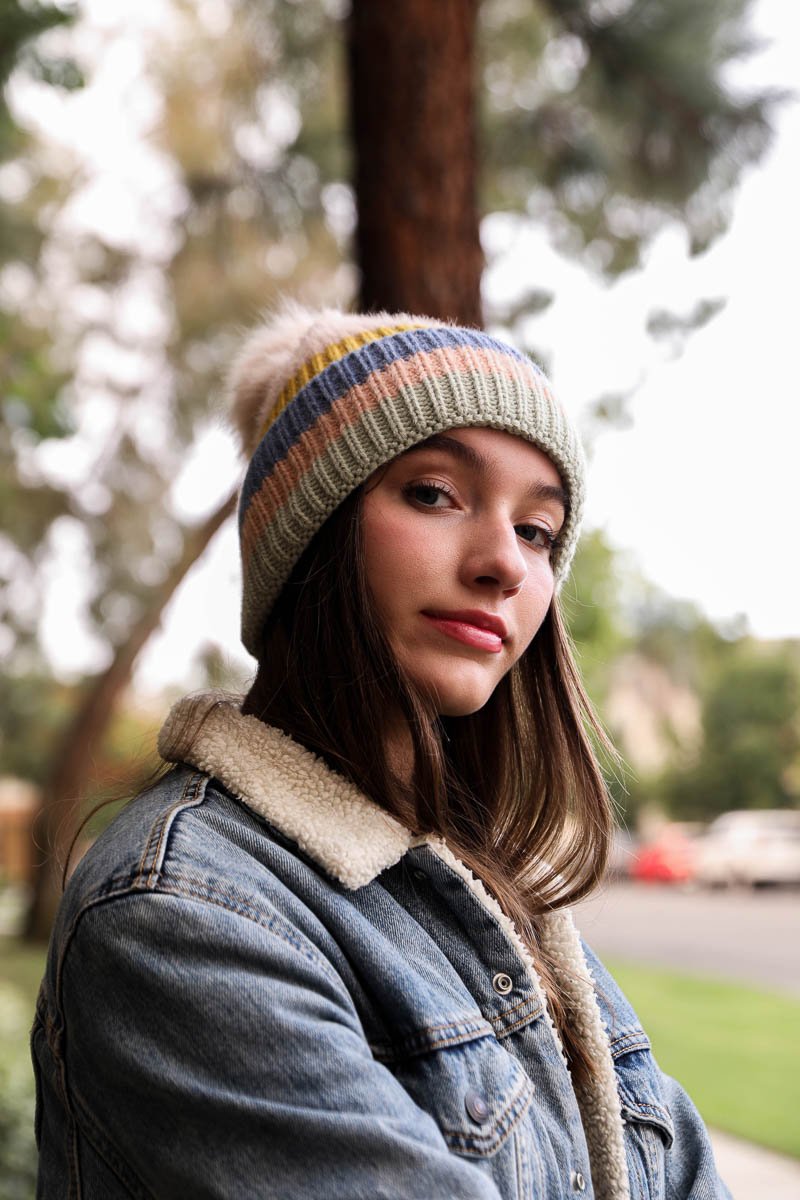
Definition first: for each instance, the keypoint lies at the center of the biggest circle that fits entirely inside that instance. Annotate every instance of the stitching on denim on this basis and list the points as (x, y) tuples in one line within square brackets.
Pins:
[(526, 1019), (519, 1158), (632, 1039), (307, 949), (636, 1158), (90, 1123), (477, 1144), (159, 827), (655, 1112), (652, 1142), (467, 1022), (413, 1045), (190, 792), (506, 1012)]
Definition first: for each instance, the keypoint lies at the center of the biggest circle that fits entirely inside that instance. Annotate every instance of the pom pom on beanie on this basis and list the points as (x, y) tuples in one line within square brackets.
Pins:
[(322, 398)]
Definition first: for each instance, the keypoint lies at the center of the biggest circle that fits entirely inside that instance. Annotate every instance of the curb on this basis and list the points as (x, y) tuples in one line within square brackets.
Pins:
[(753, 1173)]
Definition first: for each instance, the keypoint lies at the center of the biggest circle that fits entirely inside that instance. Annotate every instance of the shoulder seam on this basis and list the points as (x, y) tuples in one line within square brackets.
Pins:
[(195, 785), (275, 924)]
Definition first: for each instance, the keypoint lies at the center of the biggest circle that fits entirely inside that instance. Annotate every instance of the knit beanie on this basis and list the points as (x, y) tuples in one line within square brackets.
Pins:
[(321, 399)]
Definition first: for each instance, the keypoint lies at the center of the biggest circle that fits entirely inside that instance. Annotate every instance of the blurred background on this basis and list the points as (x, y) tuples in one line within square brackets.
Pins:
[(611, 184)]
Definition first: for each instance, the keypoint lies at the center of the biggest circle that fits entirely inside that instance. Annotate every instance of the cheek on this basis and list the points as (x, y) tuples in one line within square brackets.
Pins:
[(398, 549), (387, 551), (536, 606)]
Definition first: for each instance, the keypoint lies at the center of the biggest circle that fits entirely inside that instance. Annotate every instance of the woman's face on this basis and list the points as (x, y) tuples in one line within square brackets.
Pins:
[(458, 533)]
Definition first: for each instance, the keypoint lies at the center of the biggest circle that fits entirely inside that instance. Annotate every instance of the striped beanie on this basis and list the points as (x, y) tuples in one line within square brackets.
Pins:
[(321, 399)]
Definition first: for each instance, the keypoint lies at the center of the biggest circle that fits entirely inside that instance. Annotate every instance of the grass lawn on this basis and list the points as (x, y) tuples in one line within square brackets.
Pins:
[(736, 1050), (21, 968)]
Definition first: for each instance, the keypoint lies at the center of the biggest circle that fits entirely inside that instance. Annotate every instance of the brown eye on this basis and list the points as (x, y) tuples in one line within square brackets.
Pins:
[(424, 493), (428, 495), (536, 535)]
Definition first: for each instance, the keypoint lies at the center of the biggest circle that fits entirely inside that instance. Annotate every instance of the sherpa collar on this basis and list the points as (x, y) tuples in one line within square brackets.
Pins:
[(353, 840), (331, 821)]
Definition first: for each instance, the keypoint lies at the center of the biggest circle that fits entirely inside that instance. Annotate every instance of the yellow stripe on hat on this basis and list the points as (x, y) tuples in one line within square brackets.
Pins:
[(325, 358)]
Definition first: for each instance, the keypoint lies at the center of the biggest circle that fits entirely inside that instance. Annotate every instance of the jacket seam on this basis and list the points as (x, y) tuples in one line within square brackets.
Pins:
[(527, 1017), (193, 785), (304, 947), (406, 1047), (85, 1124), (645, 1109), (625, 1043)]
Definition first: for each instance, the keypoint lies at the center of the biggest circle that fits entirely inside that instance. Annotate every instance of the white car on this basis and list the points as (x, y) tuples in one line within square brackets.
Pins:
[(750, 847)]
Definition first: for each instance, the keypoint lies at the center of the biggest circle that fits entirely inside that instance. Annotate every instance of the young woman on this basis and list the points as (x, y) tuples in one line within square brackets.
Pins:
[(329, 954)]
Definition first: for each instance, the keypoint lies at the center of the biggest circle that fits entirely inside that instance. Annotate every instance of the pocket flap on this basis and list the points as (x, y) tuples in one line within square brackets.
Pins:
[(640, 1083)]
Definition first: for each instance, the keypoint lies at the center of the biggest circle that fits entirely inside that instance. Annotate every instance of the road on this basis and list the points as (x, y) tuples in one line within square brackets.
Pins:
[(749, 936)]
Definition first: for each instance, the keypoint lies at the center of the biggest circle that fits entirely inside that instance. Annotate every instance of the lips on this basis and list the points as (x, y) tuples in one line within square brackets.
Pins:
[(481, 630), (474, 616)]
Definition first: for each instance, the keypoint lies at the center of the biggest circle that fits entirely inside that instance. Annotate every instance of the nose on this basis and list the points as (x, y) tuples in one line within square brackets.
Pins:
[(495, 559)]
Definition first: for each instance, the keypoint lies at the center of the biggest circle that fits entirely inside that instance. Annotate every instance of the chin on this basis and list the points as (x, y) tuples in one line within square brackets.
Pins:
[(459, 698), (461, 708)]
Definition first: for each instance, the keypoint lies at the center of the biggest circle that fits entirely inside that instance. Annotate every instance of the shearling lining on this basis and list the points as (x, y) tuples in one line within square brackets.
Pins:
[(354, 840)]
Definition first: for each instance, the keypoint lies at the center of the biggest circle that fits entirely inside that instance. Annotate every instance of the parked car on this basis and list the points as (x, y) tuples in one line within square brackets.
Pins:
[(752, 847), (669, 857)]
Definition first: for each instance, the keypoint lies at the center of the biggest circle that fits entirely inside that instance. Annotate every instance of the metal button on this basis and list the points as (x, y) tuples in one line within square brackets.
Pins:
[(502, 983), (477, 1107), (577, 1181)]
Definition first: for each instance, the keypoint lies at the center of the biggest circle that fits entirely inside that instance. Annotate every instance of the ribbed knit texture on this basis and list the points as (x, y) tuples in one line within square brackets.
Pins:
[(357, 402)]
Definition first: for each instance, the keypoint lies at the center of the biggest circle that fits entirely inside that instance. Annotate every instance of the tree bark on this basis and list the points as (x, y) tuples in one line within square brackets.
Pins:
[(59, 818), (412, 113)]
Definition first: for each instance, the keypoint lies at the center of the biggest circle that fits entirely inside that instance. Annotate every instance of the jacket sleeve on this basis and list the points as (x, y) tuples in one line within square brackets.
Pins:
[(212, 1054), (666, 1139)]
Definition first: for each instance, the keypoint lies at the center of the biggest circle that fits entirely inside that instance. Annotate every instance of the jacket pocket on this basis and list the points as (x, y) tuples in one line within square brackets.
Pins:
[(649, 1131), (475, 1091)]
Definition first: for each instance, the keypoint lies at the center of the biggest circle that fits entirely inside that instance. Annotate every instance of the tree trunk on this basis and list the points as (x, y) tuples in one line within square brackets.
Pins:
[(412, 113), (59, 818)]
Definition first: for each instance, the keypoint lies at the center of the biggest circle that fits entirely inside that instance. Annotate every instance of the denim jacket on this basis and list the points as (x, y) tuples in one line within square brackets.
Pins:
[(261, 985)]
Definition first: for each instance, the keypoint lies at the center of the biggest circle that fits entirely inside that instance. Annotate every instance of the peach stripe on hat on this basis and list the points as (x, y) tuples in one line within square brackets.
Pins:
[(356, 404)]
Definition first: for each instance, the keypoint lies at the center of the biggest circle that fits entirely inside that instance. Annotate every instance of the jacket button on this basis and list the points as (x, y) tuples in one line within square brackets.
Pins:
[(578, 1182), (502, 983), (477, 1107)]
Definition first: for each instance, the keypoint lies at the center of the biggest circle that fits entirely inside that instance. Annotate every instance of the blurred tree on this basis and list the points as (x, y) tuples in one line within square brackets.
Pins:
[(593, 607), (245, 195), (605, 119), (31, 374), (412, 104), (602, 120), (235, 202), (750, 756)]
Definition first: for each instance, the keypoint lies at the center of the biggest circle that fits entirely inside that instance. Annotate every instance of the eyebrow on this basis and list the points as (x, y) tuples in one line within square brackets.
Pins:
[(473, 458)]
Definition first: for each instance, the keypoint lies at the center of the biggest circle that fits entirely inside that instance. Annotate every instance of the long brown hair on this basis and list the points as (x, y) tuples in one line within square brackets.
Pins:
[(515, 789)]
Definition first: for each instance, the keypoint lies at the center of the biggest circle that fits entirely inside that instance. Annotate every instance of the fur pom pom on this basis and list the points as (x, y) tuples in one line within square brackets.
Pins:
[(261, 368), (274, 351)]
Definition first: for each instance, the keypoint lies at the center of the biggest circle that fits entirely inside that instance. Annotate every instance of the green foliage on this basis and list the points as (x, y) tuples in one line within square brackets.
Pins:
[(34, 710), (751, 748), (34, 713), (21, 969), (21, 25), (733, 1048), (607, 120), (593, 611)]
